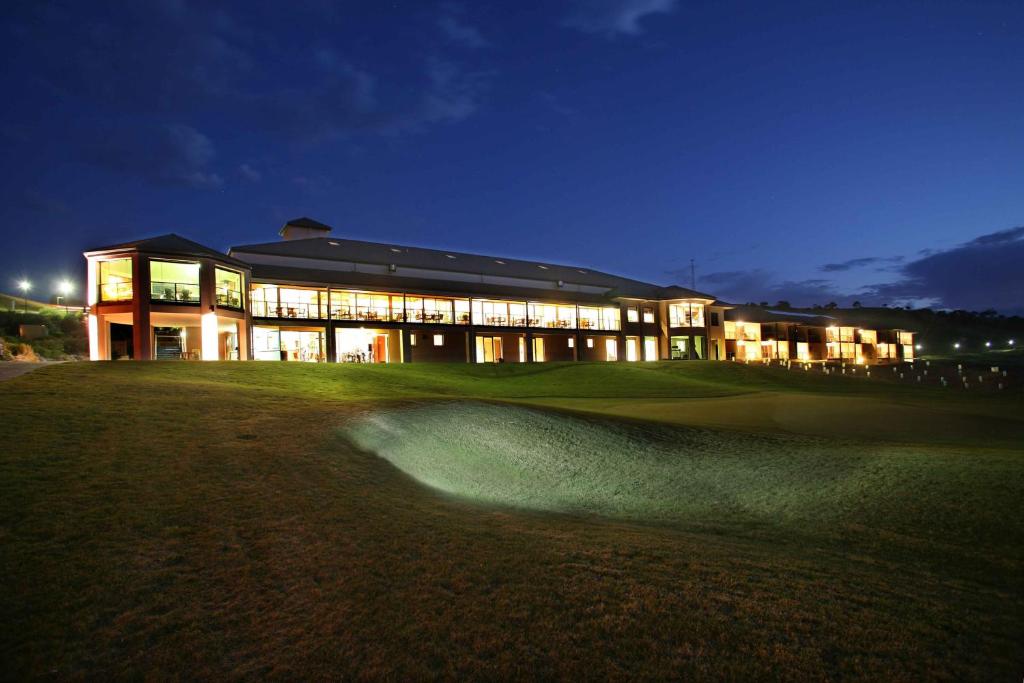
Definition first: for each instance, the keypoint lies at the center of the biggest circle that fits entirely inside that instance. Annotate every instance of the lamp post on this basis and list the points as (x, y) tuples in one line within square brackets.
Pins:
[(24, 286), (65, 288)]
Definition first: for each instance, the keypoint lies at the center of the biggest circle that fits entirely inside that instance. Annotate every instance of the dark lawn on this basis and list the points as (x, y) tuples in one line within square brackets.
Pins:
[(212, 520)]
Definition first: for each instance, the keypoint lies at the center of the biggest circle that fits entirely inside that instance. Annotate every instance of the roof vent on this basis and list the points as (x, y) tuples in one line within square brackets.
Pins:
[(561, 283), (303, 228)]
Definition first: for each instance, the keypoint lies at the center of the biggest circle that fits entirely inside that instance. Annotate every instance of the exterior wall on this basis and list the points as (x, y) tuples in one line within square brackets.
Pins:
[(556, 347), (598, 353), (452, 350)]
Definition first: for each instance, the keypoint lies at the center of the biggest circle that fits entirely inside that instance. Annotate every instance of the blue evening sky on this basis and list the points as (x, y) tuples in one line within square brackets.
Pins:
[(801, 151)]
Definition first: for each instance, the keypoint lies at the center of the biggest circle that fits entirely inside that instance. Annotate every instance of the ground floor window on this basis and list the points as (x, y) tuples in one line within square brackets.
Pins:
[(632, 349), (803, 351), (611, 349), (650, 348), (679, 348), (488, 350), (538, 349), (274, 343), (361, 346)]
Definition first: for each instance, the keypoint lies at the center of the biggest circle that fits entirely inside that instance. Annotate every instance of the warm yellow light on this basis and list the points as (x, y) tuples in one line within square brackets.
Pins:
[(94, 338), (209, 331)]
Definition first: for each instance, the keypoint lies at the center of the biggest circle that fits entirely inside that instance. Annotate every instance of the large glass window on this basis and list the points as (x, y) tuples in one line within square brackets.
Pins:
[(264, 301), (686, 315), (462, 312), (648, 314), (868, 337), (493, 313), (115, 280), (438, 311), (175, 281), (552, 315), (229, 288), (633, 314)]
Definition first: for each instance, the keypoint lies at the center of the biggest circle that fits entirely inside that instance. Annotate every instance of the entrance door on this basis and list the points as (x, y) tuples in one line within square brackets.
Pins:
[(380, 348), (167, 343), (632, 350), (538, 349), (488, 350), (611, 349)]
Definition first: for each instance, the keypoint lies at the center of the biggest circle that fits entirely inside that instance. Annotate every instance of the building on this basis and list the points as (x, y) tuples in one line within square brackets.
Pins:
[(314, 297)]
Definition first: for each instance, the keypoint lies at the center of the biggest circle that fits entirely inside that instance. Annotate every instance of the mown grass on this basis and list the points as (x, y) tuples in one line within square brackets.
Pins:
[(213, 520)]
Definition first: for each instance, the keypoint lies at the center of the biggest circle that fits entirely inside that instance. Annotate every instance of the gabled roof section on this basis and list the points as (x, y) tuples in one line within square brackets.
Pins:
[(304, 222), (332, 249), (171, 244), (756, 314)]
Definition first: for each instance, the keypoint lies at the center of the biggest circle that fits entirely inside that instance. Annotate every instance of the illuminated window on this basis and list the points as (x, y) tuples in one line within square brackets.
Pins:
[(686, 315), (572, 342), (412, 339), (648, 315), (229, 288), (650, 348), (438, 340), (174, 281), (632, 314), (590, 342), (115, 279)]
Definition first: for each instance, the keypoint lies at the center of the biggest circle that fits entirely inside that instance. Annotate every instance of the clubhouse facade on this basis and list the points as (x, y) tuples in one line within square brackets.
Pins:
[(316, 298)]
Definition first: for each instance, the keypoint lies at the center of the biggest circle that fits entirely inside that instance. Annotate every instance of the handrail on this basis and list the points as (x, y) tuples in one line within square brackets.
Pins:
[(178, 292)]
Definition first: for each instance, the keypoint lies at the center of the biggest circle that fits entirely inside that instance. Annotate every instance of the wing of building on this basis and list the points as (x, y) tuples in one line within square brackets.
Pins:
[(310, 296)]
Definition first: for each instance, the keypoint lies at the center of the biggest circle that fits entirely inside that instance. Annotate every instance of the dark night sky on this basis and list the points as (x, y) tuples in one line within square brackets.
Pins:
[(810, 152)]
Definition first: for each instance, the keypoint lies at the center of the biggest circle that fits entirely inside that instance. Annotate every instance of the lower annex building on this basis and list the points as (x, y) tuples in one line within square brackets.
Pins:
[(312, 297)]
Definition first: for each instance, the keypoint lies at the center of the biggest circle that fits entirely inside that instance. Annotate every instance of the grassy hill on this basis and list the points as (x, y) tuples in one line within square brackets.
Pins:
[(274, 520)]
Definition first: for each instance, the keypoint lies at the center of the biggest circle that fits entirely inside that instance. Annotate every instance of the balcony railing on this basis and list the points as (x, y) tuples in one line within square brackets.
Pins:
[(586, 324), (177, 292), (366, 313), (303, 310), (116, 291), (229, 298)]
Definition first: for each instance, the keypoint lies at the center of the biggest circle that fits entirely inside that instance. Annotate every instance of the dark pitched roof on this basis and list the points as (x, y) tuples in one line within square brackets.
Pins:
[(327, 248), (170, 244), (397, 283), (756, 314)]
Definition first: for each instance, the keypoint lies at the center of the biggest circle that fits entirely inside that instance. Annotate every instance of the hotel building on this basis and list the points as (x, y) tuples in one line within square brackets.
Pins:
[(316, 298)]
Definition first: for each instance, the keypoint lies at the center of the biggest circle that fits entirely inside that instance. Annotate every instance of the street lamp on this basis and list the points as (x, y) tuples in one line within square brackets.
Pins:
[(24, 286), (988, 345), (1011, 342), (956, 345), (65, 288)]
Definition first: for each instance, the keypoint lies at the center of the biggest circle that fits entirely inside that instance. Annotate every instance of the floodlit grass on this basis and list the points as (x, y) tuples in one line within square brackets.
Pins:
[(216, 520)]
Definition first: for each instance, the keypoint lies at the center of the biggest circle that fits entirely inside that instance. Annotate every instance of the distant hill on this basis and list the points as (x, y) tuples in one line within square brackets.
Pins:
[(12, 302)]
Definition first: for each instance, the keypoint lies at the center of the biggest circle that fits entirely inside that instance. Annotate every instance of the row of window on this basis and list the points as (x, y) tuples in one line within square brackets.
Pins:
[(178, 282), (271, 301), (169, 282)]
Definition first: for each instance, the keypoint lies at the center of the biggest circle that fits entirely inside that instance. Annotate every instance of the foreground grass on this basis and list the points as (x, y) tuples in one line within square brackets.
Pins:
[(212, 520)]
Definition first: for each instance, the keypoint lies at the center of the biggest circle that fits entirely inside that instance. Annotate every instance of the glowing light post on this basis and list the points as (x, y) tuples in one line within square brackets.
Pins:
[(25, 286), (65, 288)]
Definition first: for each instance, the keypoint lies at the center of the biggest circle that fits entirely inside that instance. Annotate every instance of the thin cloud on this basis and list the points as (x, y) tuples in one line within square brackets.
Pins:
[(169, 154), (613, 18), (844, 266), (461, 33)]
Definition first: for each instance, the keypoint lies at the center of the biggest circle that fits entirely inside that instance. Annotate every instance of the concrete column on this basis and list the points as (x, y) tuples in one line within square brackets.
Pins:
[(529, 347), (332, 343), (142, 333), (621, 344), (471, 345), (407, 347)]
